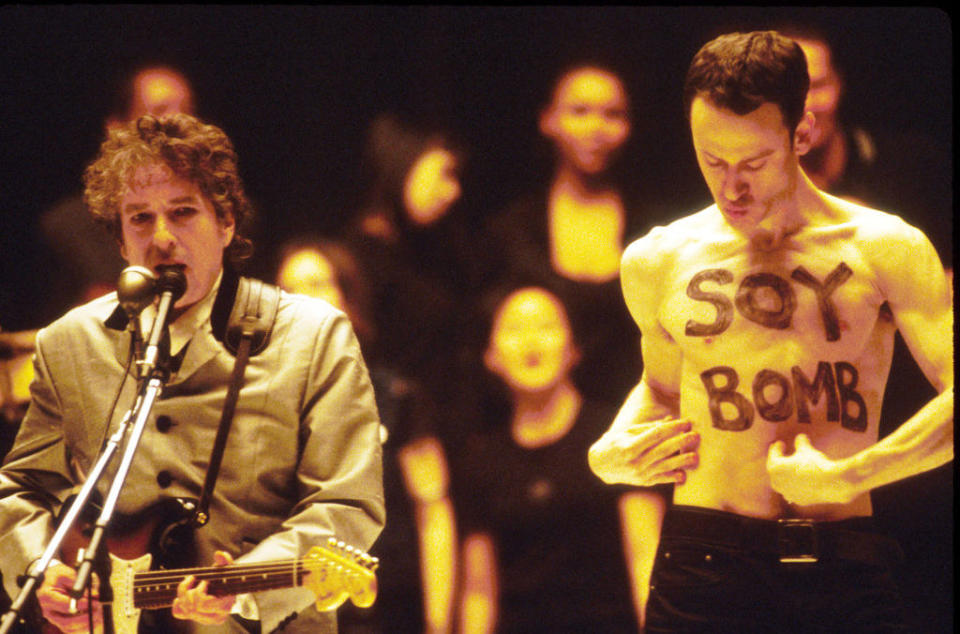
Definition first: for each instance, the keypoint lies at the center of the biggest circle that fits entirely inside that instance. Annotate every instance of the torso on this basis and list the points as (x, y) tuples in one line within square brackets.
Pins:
[(808, 355)]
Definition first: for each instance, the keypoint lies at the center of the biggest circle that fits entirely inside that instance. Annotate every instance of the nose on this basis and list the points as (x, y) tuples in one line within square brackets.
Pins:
[(163, 238), (734, 185)]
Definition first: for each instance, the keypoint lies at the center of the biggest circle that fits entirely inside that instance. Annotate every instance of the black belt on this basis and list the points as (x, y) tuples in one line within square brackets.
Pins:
[(792, 541)]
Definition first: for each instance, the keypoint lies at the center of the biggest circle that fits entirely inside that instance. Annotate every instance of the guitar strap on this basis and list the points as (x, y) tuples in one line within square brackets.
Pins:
[(247, 334)]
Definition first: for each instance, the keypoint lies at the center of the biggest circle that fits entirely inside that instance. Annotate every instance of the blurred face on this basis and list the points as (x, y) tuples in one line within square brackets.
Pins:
[(166, 220), (307, 272), (159, 91), (531, 346), (588, 120), (747, 161), (823, 98), (431, 186)]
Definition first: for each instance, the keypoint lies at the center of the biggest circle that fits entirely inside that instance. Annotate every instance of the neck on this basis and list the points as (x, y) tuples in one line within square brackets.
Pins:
[(583, 187), (542, 418), (787, 215), (826, 163)]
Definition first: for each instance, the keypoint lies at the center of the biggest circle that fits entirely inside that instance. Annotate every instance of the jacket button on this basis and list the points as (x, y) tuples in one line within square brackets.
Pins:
[(164, 423), (164, 479)]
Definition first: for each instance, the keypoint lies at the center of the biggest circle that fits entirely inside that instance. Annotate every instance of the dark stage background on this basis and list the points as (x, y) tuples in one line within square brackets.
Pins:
[(295, 87)]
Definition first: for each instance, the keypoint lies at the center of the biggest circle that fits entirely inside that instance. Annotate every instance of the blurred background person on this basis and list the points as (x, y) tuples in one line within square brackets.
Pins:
[(88, 262), (906, 174), (417, 549), (547, 547), (898, 170), (569, 230), (419, 255)]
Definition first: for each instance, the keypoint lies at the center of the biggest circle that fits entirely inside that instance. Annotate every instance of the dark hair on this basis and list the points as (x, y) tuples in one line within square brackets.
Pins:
[(742, 71), (199, 152)]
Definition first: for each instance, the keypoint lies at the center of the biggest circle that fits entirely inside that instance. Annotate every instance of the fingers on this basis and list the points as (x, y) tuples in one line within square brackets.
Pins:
[(222, 558), (54, 599), (675, 450), (776, 451), (646, 454), (194, 602)]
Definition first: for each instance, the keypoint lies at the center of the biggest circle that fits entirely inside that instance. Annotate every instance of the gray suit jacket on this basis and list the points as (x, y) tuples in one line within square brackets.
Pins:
[(303, 459)]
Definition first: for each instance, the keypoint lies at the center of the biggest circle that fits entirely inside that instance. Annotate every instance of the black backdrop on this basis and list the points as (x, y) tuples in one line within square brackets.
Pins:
[(295, 87)]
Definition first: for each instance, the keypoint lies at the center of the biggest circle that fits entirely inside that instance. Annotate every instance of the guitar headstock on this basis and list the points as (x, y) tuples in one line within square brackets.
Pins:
[(338, 572)]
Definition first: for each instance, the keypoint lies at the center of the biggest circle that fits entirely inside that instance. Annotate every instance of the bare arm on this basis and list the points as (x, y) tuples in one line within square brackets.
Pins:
[(647, 443), (641, 516), (914, 282), (425, 475), (481, 596), (922, 304)]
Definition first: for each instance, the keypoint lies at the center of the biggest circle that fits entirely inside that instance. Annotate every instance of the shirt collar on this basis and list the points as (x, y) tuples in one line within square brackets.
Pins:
[(194, 319)]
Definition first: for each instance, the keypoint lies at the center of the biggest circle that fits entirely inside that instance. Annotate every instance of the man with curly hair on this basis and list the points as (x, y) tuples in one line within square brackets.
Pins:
[(302, 462)]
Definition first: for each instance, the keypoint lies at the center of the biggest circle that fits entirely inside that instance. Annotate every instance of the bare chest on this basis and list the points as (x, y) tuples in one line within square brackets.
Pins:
[(795, 338)]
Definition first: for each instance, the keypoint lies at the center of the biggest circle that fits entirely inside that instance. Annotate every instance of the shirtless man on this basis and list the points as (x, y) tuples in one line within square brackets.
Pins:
[(768, 322)]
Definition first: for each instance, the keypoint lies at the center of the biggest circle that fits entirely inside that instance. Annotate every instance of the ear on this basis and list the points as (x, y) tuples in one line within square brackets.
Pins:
[(229, 227), (491, 360), (573, 355), (548, 122), (805, 134)]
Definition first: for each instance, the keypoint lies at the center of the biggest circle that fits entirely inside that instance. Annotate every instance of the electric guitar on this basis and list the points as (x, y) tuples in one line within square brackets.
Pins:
[(334, 572)]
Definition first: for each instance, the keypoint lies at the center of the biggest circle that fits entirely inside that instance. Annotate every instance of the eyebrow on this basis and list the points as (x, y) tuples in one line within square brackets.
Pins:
[(134, 207), (756, 157)]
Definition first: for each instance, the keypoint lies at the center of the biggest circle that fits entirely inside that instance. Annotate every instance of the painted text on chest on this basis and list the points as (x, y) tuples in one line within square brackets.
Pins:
[(835, 382)]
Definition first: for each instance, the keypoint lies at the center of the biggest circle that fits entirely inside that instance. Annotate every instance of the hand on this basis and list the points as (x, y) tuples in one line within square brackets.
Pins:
[(194, 604), (807, 476), (54, 598), (646, 454)]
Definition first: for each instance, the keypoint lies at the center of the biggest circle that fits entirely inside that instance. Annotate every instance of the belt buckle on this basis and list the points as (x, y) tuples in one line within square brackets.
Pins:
[(797, 541)]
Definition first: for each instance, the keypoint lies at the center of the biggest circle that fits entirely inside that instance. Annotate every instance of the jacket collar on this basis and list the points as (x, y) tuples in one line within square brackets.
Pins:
[(204, 345)]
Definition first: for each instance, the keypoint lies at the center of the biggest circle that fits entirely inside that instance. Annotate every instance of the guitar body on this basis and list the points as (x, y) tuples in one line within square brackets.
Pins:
[(160, 536)]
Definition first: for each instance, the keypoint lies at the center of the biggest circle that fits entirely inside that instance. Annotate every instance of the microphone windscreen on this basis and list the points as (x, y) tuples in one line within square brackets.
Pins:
[(136, 288), (172, 279)]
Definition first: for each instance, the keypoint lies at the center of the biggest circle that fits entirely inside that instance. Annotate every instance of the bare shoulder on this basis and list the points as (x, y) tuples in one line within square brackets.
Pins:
[(662, 245), (900, 254), (878, 230)]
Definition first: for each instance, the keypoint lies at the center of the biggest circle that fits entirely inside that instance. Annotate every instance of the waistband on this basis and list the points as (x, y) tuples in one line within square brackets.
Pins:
[(792, 541)]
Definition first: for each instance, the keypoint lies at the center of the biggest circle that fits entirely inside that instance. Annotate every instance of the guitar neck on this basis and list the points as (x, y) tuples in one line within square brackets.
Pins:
[(158, 588)]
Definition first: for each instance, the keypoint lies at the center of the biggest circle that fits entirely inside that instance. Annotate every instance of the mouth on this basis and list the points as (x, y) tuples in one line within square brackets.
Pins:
[(735, 211), (159, 268)]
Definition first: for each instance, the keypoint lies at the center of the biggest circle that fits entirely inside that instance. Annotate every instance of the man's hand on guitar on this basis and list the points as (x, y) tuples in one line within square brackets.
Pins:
[(646, 454), (55, 601), (194, 604)]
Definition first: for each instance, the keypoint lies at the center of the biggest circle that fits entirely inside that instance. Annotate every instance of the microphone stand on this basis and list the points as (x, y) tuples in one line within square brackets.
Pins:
[(153, 373)]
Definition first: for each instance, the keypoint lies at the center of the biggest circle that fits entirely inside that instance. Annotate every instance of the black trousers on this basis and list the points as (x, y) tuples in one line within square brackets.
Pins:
[(721, 572)]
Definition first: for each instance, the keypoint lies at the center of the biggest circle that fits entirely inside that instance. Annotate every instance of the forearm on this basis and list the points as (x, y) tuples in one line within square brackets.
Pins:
[(646, 403), (480, 597), (435, 525), (922, 443), (641, 517)]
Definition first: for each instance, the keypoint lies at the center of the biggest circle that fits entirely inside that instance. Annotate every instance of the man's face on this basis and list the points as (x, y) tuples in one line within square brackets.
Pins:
[(747, 161), (531, 345), (166, 220), (588, 120)]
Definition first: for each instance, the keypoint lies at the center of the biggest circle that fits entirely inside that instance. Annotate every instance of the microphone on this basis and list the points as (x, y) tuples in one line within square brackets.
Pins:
[(136, 289), (172, 284)]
